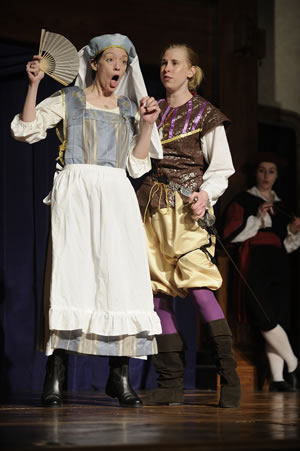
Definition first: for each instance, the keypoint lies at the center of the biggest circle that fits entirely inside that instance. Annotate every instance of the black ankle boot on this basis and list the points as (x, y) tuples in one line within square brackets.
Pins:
[(55, 372), (118, 384), (221, 341)]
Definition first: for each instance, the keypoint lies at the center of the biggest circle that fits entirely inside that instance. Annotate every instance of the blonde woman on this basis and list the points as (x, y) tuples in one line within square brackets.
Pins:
[(178, 191)]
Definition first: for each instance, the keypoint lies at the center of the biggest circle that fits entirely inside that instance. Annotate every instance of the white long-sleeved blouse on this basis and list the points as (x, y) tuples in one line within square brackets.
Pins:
[(217, 154), (254, 223), (51, 111)]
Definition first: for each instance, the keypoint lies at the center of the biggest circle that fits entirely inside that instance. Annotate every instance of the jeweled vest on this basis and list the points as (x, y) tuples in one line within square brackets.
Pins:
[(181, 130)]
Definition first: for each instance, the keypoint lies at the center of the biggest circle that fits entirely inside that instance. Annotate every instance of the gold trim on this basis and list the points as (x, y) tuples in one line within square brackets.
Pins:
[(109, 47), (181, 136), (65, 114), (63, 140)]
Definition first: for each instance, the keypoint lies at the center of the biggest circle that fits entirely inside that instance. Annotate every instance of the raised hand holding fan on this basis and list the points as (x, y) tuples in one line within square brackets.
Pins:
[(60, 58)]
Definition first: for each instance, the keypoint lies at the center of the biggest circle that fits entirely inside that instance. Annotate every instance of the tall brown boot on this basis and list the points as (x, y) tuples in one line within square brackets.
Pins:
[(221, 340), (169, 366)]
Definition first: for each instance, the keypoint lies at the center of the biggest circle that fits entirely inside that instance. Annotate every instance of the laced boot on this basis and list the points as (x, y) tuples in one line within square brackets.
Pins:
[(118, 384), (169, 366), (221, 341), (55, 372)]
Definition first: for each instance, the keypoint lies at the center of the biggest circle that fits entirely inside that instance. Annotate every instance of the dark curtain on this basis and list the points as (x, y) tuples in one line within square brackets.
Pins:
[(26, 178)]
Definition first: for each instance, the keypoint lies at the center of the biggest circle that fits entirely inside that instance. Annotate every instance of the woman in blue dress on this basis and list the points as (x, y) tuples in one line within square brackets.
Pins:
[(100, 300)]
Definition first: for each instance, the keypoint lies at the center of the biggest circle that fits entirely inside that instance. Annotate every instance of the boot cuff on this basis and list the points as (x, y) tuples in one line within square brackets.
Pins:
[(218, 327), (170, 343)]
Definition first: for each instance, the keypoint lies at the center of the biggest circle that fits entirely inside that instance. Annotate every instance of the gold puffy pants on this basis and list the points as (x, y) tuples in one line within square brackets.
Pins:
[(175, 260)]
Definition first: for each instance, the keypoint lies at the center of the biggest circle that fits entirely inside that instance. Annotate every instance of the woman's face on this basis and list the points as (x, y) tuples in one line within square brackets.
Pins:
[(110, 68), (266, 175), (175, 69)]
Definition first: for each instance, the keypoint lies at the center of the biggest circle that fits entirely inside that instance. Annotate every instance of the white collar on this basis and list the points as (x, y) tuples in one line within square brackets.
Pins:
[(255, 192)]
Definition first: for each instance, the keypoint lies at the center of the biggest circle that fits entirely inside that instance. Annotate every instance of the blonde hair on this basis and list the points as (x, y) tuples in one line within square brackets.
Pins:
[(193, 59)]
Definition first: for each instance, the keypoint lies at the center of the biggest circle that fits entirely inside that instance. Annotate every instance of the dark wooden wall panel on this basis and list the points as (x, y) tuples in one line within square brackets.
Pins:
[(237, 63)]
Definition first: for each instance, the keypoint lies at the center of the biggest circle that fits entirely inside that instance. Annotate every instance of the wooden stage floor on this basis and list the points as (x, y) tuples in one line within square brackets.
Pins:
[(92, 421)]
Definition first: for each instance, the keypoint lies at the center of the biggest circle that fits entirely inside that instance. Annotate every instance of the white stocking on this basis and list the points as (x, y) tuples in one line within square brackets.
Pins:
[(276, 364), (278, 340)]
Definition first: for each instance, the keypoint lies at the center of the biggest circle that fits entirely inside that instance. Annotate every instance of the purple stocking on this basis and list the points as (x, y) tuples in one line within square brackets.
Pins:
[(206, 304), (163, 305)]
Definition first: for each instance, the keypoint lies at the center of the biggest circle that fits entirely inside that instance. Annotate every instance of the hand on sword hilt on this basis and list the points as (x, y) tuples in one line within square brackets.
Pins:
[(207, 220)]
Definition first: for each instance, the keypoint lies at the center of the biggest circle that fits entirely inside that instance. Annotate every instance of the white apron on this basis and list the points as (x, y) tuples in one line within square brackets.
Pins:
[(101, 299)]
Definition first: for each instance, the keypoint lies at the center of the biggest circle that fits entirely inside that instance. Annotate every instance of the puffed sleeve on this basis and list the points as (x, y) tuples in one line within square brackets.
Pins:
[(217, 154), (292, 241), (136, 166), (48, 114)]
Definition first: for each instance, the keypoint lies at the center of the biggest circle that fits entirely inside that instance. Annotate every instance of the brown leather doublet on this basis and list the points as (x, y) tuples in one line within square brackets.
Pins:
[(181, 130)]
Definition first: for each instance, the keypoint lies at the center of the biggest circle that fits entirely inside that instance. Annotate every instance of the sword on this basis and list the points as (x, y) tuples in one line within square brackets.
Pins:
[(207, 222)]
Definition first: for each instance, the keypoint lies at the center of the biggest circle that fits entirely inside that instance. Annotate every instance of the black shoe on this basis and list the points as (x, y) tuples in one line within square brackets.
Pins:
[(281, 386), (118, 384), (293, 378), (55, 371)]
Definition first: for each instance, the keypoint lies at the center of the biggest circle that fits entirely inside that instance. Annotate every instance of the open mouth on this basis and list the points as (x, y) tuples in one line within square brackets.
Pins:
[(114, 81)]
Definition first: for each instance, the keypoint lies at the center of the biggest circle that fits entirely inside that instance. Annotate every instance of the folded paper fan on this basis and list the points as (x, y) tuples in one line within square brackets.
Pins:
[(60, 58)]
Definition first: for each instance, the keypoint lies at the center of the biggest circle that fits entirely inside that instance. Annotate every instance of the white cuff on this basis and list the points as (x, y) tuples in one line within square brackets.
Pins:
[(292, 241), (136, 166)]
